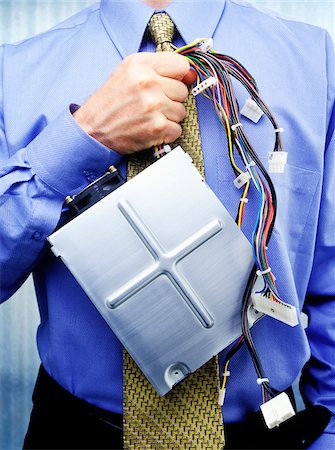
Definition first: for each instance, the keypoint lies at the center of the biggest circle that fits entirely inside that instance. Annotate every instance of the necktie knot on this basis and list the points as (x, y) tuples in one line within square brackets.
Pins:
[(162, 30)]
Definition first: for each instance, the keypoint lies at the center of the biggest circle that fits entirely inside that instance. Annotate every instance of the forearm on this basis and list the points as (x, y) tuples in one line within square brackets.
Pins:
[(140, 105), (33, 185)]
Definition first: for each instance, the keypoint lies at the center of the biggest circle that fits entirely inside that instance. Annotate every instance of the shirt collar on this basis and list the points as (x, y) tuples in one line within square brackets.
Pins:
[(193, 19)]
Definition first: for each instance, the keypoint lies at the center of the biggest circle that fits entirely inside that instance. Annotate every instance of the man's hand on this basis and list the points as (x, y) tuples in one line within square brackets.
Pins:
[(140, 105)]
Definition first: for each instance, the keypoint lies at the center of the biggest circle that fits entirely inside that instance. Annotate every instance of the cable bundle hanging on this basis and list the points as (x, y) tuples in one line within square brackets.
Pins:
[(210, 65), (214, 80)]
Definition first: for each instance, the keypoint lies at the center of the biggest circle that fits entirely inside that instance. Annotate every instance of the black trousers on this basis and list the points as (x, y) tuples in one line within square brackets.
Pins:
[(60, 420)]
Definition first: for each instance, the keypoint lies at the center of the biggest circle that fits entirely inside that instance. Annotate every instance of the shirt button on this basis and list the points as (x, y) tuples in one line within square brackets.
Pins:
[(37, 236)]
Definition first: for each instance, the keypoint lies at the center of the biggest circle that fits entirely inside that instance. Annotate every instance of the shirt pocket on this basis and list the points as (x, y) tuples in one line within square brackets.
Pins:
[(296, 191)]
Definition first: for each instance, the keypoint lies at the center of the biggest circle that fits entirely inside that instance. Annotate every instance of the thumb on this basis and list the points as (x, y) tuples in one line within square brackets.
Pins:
[(190, 77)]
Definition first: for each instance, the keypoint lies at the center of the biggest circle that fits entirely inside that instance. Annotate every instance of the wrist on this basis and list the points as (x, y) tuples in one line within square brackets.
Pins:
[(81, 118), (85, 120)]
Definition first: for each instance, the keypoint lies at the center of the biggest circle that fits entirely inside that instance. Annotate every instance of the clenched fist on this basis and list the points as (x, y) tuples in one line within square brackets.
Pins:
[(140, 105)]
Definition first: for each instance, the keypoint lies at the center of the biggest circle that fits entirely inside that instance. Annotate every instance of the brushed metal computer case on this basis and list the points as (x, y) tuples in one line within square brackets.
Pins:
[(166, 266)]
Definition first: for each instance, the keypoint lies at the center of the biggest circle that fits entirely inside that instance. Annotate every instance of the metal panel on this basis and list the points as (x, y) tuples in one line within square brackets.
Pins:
[(166, 266)]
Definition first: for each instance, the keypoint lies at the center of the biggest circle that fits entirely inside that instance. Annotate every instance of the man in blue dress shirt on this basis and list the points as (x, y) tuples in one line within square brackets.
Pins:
[(50, 149)]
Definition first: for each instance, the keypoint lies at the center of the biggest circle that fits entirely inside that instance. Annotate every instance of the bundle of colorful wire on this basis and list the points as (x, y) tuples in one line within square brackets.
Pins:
[(210, 65), (214, 80)]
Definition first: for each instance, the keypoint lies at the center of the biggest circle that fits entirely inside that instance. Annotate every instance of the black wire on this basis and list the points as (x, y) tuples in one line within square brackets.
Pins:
[(248, 147), (232, 351), (247, 333), (223, 72)]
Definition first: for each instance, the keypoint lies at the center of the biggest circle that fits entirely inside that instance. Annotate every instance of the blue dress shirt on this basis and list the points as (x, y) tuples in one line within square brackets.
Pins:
[(45, 156)]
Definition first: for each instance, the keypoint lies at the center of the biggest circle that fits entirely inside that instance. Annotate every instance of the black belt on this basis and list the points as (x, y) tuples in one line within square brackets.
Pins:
[(49, 391)]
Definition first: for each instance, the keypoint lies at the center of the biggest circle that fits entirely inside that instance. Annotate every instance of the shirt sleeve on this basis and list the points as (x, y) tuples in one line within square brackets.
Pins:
[(318, 377), (33, 184)]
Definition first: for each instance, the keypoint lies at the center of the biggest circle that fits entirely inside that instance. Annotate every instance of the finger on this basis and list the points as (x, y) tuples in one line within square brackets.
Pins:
[(190, 77), (174, 89), (171, 65), (174, 111), (163, 131), (172, 132)]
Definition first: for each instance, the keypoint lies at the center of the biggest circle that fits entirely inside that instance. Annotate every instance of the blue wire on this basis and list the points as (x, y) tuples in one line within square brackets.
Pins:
[(259, 207)]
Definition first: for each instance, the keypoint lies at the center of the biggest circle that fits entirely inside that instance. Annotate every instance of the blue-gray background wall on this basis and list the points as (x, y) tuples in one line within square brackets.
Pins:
[(19, 316)]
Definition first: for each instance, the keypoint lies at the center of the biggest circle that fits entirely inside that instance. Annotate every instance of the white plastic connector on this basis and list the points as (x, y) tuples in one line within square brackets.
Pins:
[(241, 179), (251, 110), (259, 273), (278, 310), (166, 148), (277, 410), (221, 397), (277, 162), (204, 85), (250, 164), (206, 45), (236, 125)]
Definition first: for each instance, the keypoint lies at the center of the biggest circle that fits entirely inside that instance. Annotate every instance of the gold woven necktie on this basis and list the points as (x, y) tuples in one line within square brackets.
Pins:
[(188, 417)]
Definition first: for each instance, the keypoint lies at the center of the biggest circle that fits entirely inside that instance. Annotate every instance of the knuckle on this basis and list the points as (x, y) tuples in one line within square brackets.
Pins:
[(137, 75), (158, 125), (181, 64), (151, 103), (178, 113), (184, 92), (182, 112), (129, 64), (134, 59), (142, 82), (173, 132), (128, 59), (179, 131), (184, 64)]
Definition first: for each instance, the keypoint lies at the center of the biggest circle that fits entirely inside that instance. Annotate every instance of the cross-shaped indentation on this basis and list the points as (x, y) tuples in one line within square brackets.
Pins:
[(165, 263)]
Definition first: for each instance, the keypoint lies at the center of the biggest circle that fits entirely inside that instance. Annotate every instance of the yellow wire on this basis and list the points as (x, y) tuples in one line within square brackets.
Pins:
[(231, 153), (156, 152), (230, 142), (223, 112), (244, 196), (224, 380), (192, 44)]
